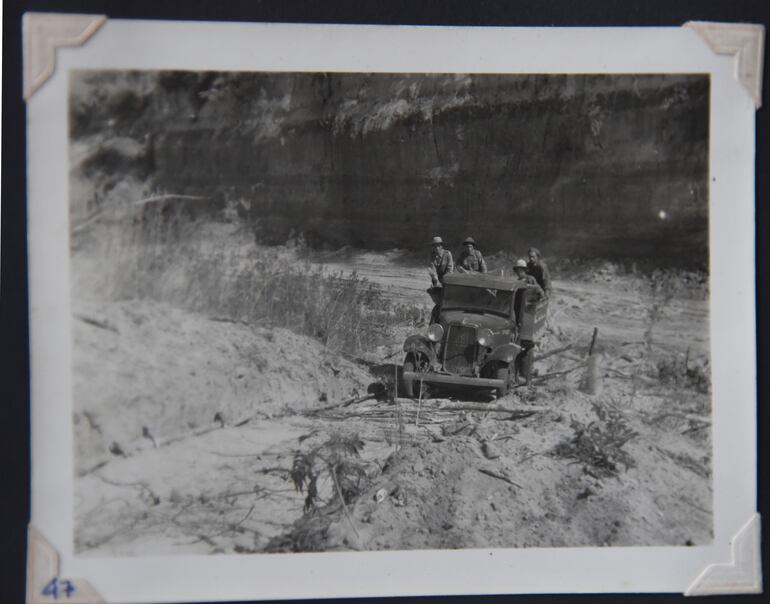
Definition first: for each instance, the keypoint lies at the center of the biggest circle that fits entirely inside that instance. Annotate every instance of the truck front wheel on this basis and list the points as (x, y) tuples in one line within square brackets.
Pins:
[(524, 363), (408, 383)]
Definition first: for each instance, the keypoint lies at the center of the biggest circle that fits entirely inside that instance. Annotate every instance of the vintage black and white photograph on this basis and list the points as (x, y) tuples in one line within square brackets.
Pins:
[(324, 311)]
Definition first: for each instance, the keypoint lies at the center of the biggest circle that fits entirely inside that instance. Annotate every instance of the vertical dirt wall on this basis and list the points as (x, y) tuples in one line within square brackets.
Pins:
[(613, 166)]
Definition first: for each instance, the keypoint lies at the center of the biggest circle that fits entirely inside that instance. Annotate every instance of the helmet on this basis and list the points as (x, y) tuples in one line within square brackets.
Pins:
[(520, 263), (469, 240), (437, 241)]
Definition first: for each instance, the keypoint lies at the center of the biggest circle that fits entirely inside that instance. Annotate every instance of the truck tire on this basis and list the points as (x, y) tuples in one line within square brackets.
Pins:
[(503, 373), (408, 384), (524, 363)]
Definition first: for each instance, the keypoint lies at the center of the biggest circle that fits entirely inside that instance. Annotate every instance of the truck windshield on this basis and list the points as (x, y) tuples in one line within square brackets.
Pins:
[(477, 298)]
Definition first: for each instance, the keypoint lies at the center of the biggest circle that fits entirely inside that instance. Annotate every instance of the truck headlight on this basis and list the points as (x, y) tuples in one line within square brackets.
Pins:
[(484, 336), (435, 332)]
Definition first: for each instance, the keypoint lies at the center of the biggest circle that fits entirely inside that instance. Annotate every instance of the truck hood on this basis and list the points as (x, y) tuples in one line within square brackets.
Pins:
[(476, 319)]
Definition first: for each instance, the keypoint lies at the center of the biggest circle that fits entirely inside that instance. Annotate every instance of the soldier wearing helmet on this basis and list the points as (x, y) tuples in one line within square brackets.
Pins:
[(440, 262), (538, 269), (520, 270), (470, 259)]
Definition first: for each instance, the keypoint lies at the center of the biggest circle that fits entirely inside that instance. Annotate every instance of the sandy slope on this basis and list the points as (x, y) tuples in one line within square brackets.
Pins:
[(157, 473)]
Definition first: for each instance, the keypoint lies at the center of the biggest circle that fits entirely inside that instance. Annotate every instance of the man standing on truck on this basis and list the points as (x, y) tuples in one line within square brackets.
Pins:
[(520, 270), (470, 258), (539, 270), (440, 262)]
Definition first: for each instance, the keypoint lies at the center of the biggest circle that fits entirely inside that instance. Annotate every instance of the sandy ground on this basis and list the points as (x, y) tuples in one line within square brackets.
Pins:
[(187, 428)]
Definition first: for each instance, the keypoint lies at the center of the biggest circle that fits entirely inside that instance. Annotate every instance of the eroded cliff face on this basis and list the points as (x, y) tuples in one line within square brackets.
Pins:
[(611, 166)]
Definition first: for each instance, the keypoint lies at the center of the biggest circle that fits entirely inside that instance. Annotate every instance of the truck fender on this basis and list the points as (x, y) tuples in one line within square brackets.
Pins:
[(506, 353), (421, 344)]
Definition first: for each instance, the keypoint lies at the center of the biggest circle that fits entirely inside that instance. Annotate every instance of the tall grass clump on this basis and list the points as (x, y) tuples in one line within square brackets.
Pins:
[(216, 269)]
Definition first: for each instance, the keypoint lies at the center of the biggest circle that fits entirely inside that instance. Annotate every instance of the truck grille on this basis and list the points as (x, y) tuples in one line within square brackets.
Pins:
[(460, 349)]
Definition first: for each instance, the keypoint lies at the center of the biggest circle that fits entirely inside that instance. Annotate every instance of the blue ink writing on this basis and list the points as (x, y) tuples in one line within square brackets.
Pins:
[(58, 587)]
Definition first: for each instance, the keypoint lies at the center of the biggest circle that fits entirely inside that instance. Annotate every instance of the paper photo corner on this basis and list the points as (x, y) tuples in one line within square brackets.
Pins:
[(742, 574), (43, 34), (746, 42), (44, 584)]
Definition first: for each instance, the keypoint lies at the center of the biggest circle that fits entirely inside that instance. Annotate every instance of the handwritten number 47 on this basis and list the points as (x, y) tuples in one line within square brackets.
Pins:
[(57, 588)]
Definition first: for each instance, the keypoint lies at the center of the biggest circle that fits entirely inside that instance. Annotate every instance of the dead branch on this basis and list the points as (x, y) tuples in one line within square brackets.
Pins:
[(428, 405), (554, 352), (346, 403), (638, 378), (92, 218), (520, 415), (548, 376), (499, 476), (688, 416), (166, 196), (162, 442), (97, 323), (345, 507), (695, 428)]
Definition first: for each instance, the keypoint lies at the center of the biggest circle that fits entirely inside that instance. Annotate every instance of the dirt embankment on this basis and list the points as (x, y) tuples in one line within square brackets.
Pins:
[(189, 430), (147, 373)]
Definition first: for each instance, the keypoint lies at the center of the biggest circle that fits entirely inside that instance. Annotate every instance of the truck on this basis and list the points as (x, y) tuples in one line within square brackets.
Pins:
[(486, 329)]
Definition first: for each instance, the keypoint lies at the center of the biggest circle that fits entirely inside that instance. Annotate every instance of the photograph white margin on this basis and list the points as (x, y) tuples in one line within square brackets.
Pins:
[(123, 44)]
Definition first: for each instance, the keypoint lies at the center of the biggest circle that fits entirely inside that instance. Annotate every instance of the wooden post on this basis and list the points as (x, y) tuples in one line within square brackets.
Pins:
[(591, 383), (593, 341)]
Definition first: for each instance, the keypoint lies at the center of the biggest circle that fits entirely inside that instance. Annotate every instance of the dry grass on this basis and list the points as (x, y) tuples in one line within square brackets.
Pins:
[(216, 269)]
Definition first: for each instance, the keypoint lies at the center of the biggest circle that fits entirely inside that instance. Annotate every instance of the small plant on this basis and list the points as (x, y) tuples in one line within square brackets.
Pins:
[(339, 458), (598, 445), (664, 285), (684, 374)]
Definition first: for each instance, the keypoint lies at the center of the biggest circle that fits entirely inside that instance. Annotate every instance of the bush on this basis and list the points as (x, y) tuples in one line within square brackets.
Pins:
[(684, 374), (598, 445), (340, 459)]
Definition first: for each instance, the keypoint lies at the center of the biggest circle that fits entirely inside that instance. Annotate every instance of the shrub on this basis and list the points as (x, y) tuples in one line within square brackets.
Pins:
[(663, 286), (598, 445), (685, 374), (339, 458)]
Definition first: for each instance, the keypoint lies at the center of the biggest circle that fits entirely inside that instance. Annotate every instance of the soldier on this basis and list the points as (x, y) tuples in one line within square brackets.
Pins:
[(440, 262), (524, 360), (470, 258), (538, 269), (520, 270)]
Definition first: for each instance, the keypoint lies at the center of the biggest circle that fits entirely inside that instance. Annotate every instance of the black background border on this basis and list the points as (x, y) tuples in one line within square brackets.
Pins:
[(14, 368)]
